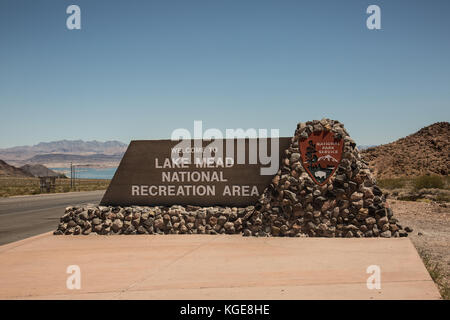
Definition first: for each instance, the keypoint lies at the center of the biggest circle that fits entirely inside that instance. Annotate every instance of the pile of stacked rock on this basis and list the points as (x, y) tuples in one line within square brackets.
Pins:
[(349, 204), (152, 220)]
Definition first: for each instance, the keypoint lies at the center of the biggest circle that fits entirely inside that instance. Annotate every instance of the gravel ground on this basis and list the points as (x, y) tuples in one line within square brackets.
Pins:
[(431, 235)]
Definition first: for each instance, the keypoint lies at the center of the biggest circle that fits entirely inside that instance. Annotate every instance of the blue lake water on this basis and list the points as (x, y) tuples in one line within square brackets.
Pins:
[(89, 173)]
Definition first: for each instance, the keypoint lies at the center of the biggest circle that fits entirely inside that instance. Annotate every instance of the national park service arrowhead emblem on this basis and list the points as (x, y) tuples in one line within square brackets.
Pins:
[(321, 154)]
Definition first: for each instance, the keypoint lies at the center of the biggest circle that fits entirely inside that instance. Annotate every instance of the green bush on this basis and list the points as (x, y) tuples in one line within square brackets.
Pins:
[(443, 198), (437, 273), (393, 183), (428, 182)]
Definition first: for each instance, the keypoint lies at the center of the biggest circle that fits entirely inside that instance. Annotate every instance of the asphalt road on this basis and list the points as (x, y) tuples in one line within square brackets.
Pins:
[(26, 216)]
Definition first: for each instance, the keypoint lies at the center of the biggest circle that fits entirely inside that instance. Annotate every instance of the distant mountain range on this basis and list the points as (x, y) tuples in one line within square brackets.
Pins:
[(63, 151), (364, 147), (64, 146), (60, 157)]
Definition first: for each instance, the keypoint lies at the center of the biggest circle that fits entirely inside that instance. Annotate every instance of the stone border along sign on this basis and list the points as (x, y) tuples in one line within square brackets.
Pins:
[(147, 175)]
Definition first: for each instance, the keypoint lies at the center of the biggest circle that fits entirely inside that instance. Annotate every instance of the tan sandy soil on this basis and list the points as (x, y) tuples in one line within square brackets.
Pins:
[(432, 221)]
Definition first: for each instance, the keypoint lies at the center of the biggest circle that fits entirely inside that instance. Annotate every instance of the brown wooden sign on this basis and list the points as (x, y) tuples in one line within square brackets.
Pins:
[(148, 175), (321, 153)]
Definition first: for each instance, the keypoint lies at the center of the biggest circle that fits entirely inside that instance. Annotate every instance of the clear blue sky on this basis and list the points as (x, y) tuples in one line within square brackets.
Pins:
[(139, 69)]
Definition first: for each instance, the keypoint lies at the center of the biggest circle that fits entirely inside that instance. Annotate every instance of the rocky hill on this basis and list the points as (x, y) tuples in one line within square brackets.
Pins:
[(424, 152), (7, 170), (39, 170)]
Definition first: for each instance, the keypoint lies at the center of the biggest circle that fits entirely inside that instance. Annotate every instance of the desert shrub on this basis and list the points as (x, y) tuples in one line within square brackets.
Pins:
[(447, 182), (12, 186), (412, 197), (428, 182), (443, 197), (437, 273), (392, 183)]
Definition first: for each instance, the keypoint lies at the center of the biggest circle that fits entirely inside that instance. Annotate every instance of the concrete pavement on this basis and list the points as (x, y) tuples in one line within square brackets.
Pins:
[(25, 216), (211, 267)]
